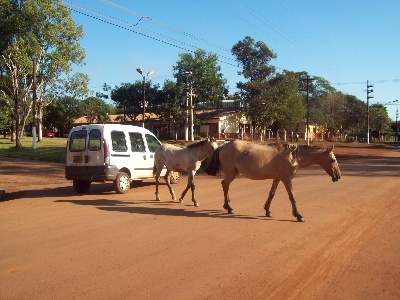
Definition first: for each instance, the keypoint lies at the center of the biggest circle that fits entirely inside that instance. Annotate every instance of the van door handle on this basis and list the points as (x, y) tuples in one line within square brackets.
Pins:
[(144, 157)]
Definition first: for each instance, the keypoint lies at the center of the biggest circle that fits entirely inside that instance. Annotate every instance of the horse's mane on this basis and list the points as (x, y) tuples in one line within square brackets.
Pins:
[(198, 144)]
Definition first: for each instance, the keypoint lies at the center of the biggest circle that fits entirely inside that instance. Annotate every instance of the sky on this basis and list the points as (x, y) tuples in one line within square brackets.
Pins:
[(346, 42)]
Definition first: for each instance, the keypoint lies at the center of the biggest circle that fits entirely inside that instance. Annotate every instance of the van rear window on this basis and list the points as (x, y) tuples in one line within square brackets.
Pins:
[(78, 141), (94, 140)]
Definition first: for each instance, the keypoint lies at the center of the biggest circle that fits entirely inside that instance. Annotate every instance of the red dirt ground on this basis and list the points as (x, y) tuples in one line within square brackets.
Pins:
[(56, 244)]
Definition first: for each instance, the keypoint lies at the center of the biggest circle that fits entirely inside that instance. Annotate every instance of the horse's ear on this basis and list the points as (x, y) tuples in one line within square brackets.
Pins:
[(329, 150)]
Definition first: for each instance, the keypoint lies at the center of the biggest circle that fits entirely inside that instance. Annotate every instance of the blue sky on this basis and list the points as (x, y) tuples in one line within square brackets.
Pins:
[(347, 42)]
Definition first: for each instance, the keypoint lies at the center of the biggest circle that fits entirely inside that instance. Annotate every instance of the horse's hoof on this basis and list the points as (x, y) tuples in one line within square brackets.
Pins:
[(300, 219), (230, 211), (196, 204), (181, 200), (268, 214)]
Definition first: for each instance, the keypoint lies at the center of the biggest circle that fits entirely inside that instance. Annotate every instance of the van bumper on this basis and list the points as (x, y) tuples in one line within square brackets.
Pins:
[(91, 173)]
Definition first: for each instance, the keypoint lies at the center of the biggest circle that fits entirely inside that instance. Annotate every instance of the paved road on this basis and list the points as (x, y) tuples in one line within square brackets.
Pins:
[(55, 244)]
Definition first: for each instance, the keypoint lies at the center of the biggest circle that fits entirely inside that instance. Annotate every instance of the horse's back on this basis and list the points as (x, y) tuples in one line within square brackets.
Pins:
[(255, 161), (175, 158)]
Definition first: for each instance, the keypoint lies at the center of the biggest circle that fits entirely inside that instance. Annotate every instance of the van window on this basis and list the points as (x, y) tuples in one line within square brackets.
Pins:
[(118, 141), (152, 142), (94, 140), (78, 141), (137, 143)]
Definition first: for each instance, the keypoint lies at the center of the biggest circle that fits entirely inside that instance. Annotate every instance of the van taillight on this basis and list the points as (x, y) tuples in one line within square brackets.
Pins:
[(106, 153)]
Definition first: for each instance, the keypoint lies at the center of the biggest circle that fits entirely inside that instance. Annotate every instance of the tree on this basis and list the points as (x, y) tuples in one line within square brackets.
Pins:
[(333, 107), (62, 113), (128, 98), (318, 88), (379, 120), (95, 109), (355, 116), (38, 29), (205, 77), (254, 58), (172, 107), (260, 92)]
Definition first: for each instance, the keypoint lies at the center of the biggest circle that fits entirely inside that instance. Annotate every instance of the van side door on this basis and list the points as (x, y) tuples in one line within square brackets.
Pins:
[(140, 156)]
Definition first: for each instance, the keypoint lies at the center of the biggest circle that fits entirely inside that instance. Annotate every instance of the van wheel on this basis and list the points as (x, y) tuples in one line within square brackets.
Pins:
[(175, 177), (81, 186), (122, 183)]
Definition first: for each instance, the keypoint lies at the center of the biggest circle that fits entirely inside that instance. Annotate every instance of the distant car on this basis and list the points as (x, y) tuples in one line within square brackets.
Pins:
[(47, 133)]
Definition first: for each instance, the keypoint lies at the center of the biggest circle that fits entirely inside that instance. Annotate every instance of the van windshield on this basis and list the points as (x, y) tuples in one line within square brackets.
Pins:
[(78, 141), (152, 142)]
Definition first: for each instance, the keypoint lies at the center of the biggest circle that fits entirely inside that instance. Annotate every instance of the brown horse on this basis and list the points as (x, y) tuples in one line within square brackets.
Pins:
[(181, 160), (278, 162)]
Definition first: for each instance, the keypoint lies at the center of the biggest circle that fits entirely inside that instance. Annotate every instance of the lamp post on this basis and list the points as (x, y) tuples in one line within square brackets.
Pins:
[(139, 70)]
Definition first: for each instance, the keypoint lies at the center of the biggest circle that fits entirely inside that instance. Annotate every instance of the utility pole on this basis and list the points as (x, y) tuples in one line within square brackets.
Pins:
[(369, 90), (308, 80), (397, 131), (34, 104), (191, 111), (188, 93)]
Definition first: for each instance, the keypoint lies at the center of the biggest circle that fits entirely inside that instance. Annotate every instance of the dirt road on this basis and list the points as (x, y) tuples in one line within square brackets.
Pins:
[(55, 244)]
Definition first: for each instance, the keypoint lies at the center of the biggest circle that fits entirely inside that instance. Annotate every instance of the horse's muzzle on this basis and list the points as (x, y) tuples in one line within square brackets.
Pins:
[(335, 177)]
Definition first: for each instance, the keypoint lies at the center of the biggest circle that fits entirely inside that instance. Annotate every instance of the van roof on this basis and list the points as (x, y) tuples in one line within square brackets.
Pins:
[(111, 127)]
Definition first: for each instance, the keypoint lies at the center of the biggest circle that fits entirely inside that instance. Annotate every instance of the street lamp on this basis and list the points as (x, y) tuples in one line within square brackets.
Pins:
[(139, 70)]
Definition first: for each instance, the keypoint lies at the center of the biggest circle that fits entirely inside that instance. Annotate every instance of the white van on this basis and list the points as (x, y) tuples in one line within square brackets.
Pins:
[(110, 152)]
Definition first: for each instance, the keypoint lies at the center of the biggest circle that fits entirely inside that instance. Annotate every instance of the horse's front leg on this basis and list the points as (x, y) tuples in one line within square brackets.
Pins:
[(190, 185), (289, 189), (157, 180), (167, 179), (271, 195)]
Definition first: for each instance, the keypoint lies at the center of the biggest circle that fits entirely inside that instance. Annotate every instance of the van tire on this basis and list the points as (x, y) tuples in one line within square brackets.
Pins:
[(122, 183), (175, 177), (81, 186)]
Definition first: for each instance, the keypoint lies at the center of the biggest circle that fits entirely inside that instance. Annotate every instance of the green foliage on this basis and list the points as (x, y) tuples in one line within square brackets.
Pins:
[(62, 113), (254, 58), (128, 98), (206, 78), (173, 107), (95, 109), (379, 120), (38, 29)]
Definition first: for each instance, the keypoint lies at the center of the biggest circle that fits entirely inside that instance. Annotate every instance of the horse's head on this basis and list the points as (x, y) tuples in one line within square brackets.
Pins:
[(330, 164), (212, 146)]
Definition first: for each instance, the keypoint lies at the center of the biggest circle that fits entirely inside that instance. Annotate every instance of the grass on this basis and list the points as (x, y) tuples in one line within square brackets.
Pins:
[(49, 149)]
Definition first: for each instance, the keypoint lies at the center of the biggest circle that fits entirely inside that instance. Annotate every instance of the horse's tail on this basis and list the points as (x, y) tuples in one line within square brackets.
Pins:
[(214, 165)]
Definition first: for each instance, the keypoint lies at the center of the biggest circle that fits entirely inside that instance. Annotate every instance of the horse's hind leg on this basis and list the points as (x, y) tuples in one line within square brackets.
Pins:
[(271, 195), (167, 179), (289, 189)]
